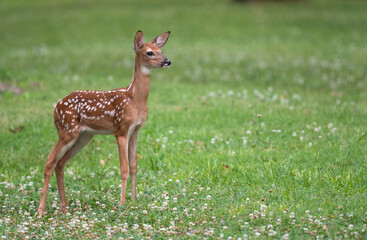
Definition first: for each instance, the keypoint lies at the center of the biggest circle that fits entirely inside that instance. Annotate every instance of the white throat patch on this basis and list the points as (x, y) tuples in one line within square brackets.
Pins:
[(145, 70)]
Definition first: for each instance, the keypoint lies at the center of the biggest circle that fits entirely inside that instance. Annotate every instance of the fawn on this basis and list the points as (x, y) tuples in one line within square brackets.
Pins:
[(120, 112)]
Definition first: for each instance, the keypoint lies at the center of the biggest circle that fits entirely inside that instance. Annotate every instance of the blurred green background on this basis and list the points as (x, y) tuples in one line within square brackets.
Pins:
[(300, 64)]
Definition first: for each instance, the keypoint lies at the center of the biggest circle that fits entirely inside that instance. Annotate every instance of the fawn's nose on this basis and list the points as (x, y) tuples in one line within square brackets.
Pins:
[(166, 63)]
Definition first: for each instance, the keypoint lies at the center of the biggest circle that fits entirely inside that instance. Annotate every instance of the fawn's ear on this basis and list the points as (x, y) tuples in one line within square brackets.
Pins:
[(139, 40), (161, 39)]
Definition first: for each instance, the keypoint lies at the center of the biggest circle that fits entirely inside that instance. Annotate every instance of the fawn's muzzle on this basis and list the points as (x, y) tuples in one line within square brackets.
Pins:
[(166, 63)]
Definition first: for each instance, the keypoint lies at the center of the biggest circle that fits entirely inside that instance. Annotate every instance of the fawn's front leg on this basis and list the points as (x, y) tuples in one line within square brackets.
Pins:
[(133, 161), (122, 143)]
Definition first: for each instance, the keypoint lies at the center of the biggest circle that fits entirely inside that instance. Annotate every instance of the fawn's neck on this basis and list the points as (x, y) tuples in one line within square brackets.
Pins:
[(141, 83)]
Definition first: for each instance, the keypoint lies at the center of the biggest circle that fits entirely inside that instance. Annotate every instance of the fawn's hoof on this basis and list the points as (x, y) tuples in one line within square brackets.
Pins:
[(64, 210), (41, 212)]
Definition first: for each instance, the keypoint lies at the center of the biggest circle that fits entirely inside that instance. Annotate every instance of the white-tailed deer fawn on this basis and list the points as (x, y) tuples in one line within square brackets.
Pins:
[(120, 112)]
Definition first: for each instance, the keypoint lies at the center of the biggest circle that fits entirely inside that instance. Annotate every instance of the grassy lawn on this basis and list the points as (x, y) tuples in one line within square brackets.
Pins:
[(258, 129)]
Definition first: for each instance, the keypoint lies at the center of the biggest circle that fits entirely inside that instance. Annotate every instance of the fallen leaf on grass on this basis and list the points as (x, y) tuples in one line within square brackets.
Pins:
[(5, 87), (16, 129)]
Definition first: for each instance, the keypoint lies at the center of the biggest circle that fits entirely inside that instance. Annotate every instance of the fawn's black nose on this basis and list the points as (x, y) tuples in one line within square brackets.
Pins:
[(166, 63)]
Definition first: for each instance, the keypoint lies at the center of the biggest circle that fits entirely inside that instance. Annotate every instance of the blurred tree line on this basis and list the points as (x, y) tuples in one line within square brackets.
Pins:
[(243, 1)]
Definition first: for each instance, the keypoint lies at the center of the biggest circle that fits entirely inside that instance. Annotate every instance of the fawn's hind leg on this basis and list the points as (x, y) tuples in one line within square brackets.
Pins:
[(57, 152), (81, 142)]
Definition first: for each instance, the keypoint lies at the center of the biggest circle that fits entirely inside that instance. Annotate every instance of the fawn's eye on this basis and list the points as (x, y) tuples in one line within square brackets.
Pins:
[(150, 53)]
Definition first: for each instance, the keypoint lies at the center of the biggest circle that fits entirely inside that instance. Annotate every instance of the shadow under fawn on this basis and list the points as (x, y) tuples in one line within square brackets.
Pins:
[(120, 112)]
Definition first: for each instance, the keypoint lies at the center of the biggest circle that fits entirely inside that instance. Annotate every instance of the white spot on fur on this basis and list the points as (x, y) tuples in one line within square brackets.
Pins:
[(112, 113)]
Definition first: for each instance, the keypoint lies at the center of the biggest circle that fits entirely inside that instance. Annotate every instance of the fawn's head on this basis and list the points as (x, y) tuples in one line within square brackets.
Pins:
[(150, 53)]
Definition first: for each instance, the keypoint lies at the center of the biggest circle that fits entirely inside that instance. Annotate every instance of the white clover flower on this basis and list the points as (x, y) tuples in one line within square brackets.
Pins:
[(135, 226), (350, 227), (272, 233)]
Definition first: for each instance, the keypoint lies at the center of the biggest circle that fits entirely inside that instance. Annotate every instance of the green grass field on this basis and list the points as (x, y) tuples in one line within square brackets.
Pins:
[(210, 166)]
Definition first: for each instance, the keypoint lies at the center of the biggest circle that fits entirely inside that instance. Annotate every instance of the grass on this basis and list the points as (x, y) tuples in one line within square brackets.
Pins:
[(209, 165)]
